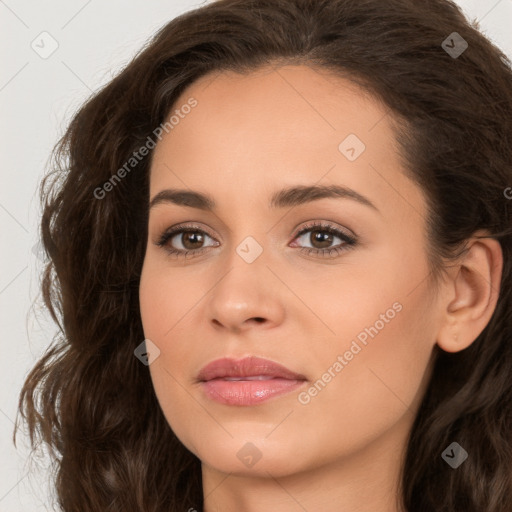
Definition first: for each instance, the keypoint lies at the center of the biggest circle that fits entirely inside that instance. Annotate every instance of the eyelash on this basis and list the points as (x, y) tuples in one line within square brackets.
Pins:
[(349, 241)]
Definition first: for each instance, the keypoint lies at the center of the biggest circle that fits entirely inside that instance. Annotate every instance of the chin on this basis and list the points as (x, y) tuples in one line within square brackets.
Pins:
[(249, 455)]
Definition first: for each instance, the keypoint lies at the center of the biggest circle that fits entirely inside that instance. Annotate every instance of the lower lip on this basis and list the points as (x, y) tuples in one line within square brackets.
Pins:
[(248, 392)]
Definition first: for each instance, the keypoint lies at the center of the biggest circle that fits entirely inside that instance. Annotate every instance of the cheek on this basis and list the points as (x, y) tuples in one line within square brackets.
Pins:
[(164, 298), (379, 387), (167, 301), (166, 306), (374, 370)]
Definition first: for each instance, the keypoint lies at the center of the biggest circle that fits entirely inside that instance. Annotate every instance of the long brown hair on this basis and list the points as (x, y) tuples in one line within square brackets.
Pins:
[(92, 402)]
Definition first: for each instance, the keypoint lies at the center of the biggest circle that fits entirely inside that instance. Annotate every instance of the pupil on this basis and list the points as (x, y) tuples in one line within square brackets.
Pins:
[(187, 239), (322, 237)]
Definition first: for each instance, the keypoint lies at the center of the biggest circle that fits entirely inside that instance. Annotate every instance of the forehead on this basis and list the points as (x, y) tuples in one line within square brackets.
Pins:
[(275, 105), (276, 127)]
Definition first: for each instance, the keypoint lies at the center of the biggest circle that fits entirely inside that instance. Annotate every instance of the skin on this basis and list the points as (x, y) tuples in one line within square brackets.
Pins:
[(249, 136)]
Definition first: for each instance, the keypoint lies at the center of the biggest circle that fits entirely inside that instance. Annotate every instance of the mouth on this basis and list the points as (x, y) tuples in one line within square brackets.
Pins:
[(247, 381)]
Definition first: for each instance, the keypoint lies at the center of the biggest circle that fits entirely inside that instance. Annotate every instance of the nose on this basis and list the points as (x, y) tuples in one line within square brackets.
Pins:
[(247, 297)]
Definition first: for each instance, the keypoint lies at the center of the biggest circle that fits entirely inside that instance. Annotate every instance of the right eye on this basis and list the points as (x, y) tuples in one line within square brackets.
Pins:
[(189, 237)]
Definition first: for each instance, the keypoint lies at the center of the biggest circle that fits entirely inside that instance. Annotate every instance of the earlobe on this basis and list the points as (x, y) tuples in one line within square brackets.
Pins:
[(472, 294)]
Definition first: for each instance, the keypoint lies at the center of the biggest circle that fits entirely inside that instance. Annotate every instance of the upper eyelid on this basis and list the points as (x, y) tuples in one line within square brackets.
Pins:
[(327, 225)]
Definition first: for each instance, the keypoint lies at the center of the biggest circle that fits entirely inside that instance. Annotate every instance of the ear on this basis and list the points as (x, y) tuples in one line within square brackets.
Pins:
[(472, 293)]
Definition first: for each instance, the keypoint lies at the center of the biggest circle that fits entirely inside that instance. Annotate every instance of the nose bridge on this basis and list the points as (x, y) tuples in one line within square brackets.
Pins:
[(245, 290), (245, 267), (249, 237)]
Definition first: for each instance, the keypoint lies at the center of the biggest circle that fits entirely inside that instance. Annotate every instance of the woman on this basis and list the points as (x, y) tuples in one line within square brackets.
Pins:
[(280, 259)]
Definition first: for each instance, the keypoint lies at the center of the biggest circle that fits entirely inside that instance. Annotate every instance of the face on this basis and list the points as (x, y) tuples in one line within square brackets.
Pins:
[(332, 286)]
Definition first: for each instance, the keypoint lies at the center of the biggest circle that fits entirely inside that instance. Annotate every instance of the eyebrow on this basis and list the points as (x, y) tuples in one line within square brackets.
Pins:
[(288, 197)]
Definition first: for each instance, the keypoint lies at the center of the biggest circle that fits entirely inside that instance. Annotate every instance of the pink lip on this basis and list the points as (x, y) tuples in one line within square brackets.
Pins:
[(260, 379)]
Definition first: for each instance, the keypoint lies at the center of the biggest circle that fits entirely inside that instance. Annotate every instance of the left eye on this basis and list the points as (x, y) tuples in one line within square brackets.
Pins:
[(324, 236)]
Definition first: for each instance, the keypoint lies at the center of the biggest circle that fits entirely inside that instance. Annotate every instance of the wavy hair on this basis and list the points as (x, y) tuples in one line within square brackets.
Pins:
[(92, 402)]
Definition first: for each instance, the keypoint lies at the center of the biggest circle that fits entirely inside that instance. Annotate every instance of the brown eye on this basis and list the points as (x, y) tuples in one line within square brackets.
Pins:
[(190, 239), (184, 240), (321, 239)]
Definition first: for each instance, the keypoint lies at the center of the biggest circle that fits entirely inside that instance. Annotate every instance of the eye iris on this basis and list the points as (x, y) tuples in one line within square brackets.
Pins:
[(191, 237), (322, 237)]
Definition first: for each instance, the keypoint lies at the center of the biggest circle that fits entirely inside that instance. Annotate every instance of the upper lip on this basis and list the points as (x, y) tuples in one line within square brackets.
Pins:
[(246, 367)]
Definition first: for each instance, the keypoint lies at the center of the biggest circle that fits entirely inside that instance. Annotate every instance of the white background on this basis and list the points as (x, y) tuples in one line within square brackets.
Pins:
[(37, 99)]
